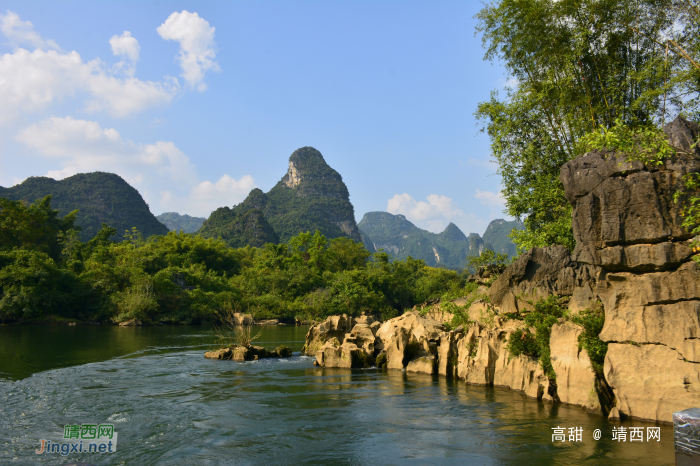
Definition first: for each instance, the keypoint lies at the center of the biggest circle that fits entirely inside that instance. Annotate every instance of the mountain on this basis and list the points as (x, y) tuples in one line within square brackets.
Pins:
[(99, 197), (177, 222), (496, 235), (310, 196), (401, 238)]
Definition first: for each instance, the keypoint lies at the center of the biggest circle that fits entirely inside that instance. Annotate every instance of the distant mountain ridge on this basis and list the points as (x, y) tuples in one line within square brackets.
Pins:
[(310, 196), (450, 248), (177, 222), (99, 197)]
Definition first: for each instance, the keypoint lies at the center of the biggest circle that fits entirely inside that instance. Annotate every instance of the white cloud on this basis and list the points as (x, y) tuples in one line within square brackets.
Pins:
[(22, 32), (434, 214), (489, 198), (127, 47), (510, 83), (437, 207), (80, 146), (84, 146), (31, 81), (206, 196), (197, 46)]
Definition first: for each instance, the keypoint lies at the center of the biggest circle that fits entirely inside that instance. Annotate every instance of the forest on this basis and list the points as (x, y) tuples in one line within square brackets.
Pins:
[(47, 271)]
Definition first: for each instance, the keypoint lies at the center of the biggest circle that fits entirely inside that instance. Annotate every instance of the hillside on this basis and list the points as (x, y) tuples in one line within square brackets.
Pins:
[(401, 239), (310, 196), (239, 228), (177, 222), (99, 197), (496, 235)]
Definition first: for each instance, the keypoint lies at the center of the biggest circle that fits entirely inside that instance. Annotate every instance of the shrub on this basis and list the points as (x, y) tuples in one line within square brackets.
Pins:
[(592, 321)]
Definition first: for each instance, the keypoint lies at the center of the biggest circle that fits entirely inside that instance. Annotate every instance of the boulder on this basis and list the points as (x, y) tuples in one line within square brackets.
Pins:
[(130, 323), (541, 272), (657, 308), (239, 318), (241, 353), (319, 334), (363, 337), (407, 337), (628, 227), (283, 352), (223, 353), (346, 355)]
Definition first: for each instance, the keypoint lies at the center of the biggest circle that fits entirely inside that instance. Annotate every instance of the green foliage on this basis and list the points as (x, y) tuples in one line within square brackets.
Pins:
[(487, 257), (546, 312), (239, 227), (46, 269), (578, 65), (98, 197), (592, 321), (647, 143), (34, 226), (690, 208)]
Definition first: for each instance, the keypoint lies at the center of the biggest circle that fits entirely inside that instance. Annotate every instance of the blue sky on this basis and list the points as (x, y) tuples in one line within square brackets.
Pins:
[(196, 103)]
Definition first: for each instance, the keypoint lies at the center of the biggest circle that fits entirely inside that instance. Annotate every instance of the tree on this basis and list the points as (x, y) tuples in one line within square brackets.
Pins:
[(34, 226), (579, 65)]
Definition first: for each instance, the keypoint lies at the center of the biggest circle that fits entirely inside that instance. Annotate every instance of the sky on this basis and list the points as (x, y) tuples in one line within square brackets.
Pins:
[(196, 103)]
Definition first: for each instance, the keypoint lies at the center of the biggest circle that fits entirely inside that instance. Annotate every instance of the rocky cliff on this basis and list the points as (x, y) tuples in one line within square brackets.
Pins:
[(310, 196), (632, 258)]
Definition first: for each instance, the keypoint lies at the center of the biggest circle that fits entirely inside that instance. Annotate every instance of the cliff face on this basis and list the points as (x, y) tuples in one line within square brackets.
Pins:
[(627, 225), (310, 196)]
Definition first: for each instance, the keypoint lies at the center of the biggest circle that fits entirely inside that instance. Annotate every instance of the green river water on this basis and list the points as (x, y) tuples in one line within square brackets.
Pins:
[(170, 406)]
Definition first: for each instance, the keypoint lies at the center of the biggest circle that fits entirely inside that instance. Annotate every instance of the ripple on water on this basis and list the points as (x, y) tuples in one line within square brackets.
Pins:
[(184, 410)]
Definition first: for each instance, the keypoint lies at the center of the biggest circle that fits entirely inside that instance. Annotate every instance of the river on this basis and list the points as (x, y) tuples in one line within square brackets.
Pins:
[(170, 406)]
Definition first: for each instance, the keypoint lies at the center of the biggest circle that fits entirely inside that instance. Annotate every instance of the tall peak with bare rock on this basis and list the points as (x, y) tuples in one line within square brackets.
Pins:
[(310, 196)]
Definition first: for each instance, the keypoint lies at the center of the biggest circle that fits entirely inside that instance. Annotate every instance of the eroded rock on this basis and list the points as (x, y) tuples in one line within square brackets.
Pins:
[(319, 334)]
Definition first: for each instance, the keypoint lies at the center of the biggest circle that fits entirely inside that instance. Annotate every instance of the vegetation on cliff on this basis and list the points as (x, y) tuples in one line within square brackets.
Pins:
[(579, 66), (45, 269), (98, 197)]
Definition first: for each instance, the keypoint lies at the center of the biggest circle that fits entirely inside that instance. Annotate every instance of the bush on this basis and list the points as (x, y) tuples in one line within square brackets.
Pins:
[(546, 312), (592, 321)]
